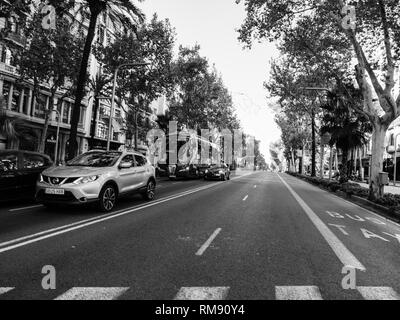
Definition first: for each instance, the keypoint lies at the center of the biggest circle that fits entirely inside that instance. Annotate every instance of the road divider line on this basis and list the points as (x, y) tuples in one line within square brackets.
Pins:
[(344, 254), (205, 246), (202, 293), (246, 197), (297, 293), (50, 233), (5, 290), (378, 293), (92, 294), (25, 208)]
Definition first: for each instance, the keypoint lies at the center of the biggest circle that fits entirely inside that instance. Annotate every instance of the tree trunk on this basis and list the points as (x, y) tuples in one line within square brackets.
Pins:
[(378, 139), (136, 130), (94, 122), (313, 144), (344, 172), (42, 145), (81, 83)]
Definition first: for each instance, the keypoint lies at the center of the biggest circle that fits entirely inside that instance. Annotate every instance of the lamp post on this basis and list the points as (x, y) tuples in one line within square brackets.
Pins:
[(57, 135), (113, 97)]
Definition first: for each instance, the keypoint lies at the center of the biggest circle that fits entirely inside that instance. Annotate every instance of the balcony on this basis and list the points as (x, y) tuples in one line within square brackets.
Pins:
[(16, 38)]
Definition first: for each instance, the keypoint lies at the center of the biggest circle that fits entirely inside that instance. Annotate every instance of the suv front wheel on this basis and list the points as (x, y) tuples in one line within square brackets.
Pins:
[(108, 198), (150, 192)]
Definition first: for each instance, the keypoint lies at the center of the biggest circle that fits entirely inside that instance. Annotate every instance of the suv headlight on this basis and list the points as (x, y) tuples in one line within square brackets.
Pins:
[(84, 180)]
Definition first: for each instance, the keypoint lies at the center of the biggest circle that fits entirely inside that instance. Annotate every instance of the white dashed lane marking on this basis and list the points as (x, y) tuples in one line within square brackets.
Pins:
[(245, 198), (92, 294), (298, 293), (26, 208), (208, 242), (202, 293), (378, 293), (5, 290)]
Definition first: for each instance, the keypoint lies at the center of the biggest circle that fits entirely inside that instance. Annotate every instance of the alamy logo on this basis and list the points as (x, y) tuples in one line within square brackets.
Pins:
[(49, 19)]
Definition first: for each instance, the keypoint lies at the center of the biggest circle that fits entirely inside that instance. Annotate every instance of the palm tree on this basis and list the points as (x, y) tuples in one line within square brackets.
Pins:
[(121, 13), (348, 129), (99, 85)]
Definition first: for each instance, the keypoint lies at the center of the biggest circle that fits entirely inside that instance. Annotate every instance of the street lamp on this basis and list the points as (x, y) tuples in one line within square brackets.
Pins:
[(113, 96), (58, 133)]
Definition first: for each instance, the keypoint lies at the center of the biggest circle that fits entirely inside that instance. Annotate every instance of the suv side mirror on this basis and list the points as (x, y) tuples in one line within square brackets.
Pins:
[(125, 165)]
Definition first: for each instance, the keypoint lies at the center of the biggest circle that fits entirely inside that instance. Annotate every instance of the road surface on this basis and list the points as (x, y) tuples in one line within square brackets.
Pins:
[(260, 236)]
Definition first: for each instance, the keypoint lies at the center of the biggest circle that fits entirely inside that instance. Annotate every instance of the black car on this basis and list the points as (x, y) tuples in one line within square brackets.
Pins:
[(185, 171), (221, 172), (19, 172)]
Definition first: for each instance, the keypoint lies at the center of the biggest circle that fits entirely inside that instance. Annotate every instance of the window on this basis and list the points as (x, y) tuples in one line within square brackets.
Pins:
[(140, 161), (82, 116), (128, 159), (6, 92), (65, 115), (25, 103), (40, 106), (3, 54), (8, 162), (33, 161), (16, 96)]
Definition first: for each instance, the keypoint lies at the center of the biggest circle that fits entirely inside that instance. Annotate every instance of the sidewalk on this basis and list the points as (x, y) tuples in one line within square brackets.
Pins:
[(388, 189)]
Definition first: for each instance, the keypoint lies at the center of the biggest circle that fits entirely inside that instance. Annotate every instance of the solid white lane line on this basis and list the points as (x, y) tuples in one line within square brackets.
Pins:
[(5, 290), (92, 294), (25, 208), (378, 293), (202, 293), (33, 238), (208, 242), (298, 293), (245, 198), (344, 254)]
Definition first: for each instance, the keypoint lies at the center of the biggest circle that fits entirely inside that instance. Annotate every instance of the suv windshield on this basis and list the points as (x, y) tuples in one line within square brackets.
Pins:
[(96, 159)]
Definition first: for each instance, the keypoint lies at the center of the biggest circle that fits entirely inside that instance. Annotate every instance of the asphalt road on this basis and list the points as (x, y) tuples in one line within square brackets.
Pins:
[(259, 236)]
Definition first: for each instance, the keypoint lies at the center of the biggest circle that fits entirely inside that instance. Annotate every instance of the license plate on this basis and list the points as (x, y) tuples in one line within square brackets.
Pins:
[(55, 191)]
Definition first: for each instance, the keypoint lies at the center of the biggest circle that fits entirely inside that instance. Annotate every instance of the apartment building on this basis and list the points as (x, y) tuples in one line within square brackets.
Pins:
[(19, 102)]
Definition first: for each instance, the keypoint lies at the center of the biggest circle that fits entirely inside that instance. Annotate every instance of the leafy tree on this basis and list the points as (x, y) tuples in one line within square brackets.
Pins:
[(138, 87), (201, 99), (123, 14), (49, 59), (19, 8), (371, 36)]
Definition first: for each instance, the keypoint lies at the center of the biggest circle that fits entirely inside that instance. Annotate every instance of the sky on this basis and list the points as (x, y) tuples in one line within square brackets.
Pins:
[(212, 24)]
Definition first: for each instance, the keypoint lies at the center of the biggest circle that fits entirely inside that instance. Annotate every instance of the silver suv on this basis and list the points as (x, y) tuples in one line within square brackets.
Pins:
[(97, 176)]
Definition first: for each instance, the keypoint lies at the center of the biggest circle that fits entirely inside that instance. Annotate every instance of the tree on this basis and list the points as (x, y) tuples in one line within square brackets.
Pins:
[(371, 35), (121, 13), (49, 60), (139, 87), (19, 8), (347, 128), (201, 99)]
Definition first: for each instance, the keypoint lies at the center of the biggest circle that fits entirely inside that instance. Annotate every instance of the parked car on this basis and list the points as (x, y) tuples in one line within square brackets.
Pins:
[(97, 176), (221, 172), (19, 171), (186, 171)]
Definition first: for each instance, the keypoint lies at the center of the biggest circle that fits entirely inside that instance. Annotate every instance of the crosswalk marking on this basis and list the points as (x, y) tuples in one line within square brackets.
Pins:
[(202, 293), (5, 290), (297, 293), (378, 293), (92, 294)]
